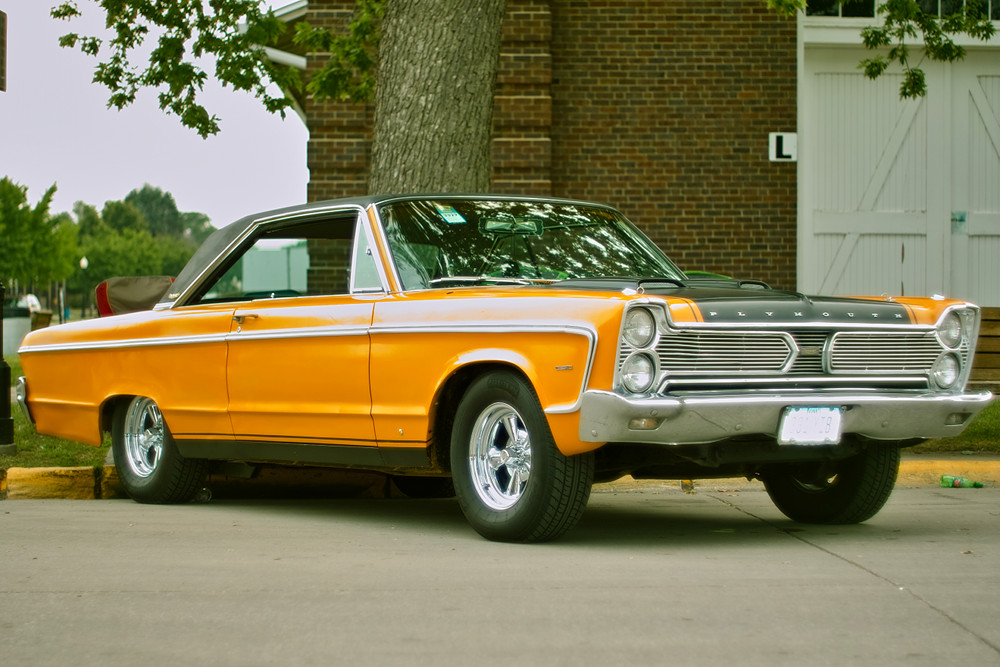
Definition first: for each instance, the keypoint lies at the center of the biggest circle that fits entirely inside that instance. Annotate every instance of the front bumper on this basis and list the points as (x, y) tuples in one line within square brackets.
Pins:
[(705, 417)]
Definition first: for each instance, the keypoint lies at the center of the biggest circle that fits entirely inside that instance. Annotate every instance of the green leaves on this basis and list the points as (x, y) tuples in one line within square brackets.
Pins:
[(787, 8), (903, 23), (185, 36), (349, 72)]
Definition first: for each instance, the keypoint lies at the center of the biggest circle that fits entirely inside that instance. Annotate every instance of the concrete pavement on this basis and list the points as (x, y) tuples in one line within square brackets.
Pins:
[(651, 576)]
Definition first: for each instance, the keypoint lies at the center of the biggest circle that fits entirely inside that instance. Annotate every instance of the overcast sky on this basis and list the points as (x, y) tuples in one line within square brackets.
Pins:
[(55, 127)]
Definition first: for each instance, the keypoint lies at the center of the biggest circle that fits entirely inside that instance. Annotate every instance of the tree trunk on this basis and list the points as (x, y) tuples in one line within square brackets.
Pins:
[(438, 62)]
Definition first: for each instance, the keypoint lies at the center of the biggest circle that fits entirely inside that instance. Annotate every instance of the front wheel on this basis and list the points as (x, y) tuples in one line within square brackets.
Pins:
[(148, 464), (512, 483), (848, 491)]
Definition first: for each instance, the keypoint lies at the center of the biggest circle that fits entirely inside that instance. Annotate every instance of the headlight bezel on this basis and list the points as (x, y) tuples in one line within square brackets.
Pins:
[(636, 320), (638, 371), (951, 330), (946, 371), (631, 367)]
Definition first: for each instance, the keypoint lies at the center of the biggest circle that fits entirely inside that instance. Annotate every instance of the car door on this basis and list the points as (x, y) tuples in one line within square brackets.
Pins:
[(298, 350), (298, 371)]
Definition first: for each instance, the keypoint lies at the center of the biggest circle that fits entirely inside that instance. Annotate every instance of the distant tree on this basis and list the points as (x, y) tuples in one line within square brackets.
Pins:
[(174, 253), (60, 256), (120, 216), (144, 234), (197, 226), (127, 252), (159, 209), (36, 246), (88, 219)]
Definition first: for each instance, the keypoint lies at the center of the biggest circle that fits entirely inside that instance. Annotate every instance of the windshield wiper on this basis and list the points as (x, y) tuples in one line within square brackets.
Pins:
[(452, 281)]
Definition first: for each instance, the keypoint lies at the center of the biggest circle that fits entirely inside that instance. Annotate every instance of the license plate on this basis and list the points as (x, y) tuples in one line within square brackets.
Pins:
[(810, 426)]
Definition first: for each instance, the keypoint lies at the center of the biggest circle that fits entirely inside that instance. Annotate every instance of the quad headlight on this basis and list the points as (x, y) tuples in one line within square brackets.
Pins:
[(950, 330), (638, 373), (640, 328), (946, 371)]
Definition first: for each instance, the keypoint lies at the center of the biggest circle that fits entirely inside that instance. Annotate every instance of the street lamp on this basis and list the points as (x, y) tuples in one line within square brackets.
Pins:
[(7, 446), (83, 299)]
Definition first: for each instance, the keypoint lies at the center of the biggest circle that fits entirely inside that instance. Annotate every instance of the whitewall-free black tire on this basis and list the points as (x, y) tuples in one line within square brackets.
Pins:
[(512, 483)]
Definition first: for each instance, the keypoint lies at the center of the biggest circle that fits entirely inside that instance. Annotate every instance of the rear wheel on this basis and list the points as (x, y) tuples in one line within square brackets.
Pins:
[(512, 483), (148, 464), (848, 491)]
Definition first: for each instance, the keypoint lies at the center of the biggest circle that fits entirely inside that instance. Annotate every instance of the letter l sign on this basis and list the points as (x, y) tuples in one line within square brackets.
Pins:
[(782, 146)]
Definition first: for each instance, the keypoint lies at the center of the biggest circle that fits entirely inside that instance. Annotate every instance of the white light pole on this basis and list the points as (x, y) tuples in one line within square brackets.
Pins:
[(83, 300)]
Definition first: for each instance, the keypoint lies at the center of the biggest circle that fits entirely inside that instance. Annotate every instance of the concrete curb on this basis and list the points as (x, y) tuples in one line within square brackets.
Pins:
[(101, 482)]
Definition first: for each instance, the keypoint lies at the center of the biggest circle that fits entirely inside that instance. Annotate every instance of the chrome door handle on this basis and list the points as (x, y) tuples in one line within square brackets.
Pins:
[(239, 319)]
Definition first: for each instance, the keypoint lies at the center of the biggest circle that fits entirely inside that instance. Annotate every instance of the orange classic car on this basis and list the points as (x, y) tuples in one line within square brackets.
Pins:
[(509, 351)]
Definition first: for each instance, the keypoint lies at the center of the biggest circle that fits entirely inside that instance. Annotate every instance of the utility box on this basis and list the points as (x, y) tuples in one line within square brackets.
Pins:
[(16, 325)]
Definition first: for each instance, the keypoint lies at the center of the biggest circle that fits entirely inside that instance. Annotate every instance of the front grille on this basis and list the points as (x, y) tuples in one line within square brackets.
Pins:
[(810, 358), (725, 353), (805, 358), (881, 353)]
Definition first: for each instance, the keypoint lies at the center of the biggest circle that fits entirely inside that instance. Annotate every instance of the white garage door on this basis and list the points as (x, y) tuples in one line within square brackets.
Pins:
[(900, 196)]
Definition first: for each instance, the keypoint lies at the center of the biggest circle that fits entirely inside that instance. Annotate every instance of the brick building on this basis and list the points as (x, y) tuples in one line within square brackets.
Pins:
[(663, 109)]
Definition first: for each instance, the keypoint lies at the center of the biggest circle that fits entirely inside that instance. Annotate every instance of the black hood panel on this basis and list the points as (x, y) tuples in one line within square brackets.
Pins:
[(729, 302), (734, 306)]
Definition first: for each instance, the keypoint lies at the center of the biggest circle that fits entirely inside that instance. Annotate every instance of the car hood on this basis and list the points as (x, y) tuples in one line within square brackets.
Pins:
[(732, 302)]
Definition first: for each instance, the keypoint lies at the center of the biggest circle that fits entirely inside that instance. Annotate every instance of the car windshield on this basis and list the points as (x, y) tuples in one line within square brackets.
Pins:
[(450, 242)]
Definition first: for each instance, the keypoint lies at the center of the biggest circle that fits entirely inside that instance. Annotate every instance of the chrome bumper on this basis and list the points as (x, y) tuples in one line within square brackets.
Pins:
[(703, 418), (21, 396)]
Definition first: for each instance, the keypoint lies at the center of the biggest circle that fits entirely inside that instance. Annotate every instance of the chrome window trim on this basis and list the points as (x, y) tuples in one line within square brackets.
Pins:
[(380, 233), (252, 229), (361, 228), (126, 343), (329, 331)]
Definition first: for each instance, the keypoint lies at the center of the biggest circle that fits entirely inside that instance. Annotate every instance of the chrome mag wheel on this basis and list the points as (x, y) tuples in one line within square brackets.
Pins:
[(150, 468), (500, 456), (143, 436), (512, 482)]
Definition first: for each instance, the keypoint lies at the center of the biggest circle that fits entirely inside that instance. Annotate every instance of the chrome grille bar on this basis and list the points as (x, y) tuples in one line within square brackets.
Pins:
[(815, 356), (708, 353), (883, 353)]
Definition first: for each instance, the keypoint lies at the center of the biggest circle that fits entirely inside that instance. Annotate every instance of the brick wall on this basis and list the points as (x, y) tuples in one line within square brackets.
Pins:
[(663, 109), (522, 113), (339, 134), (659, 108)]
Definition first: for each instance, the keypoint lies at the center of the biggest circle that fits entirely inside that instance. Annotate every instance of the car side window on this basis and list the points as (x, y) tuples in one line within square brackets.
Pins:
[(316, 257), (364, 270)]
